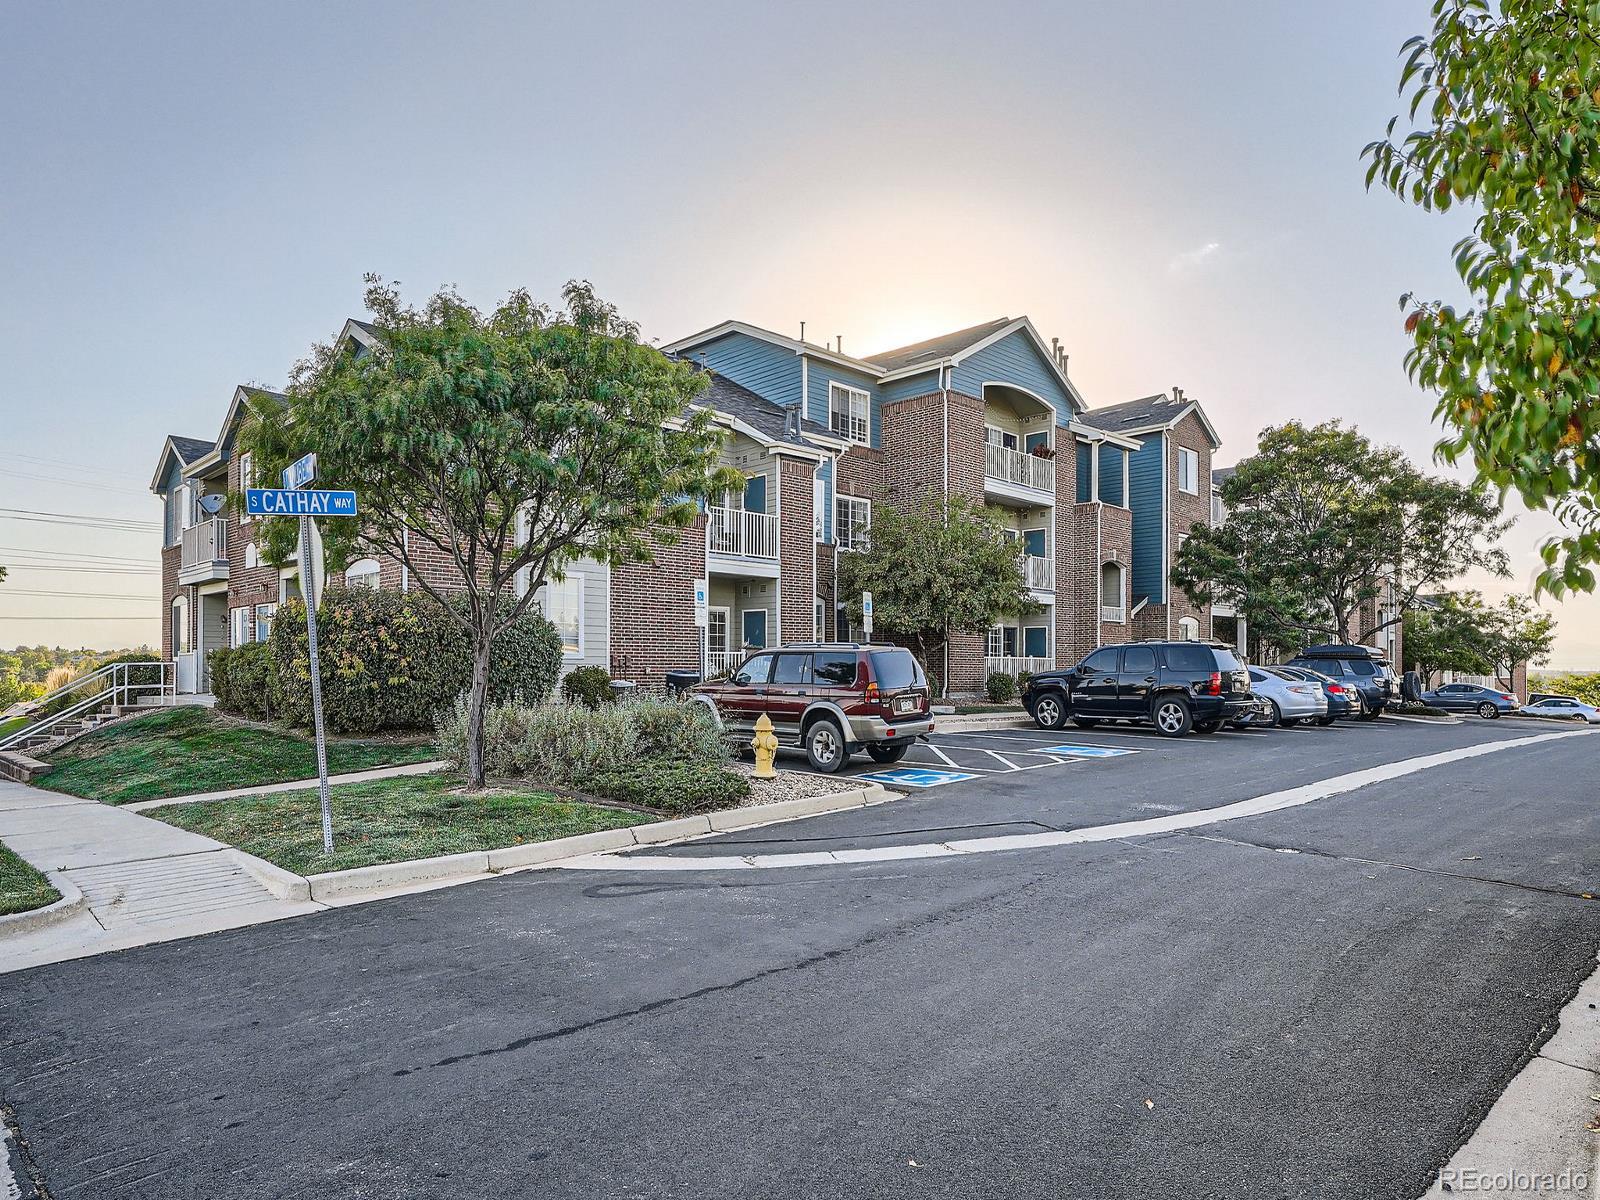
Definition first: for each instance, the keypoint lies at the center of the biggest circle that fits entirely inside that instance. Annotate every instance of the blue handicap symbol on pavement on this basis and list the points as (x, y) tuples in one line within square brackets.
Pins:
[(917, 777), (1088, 751)]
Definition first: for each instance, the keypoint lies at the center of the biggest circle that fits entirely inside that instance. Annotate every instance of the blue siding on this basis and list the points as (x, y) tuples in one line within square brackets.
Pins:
[(820, 374), (1085, 466), (1146, 487), (1113, 464), (770, 371), (1013, 359), (912, 385)]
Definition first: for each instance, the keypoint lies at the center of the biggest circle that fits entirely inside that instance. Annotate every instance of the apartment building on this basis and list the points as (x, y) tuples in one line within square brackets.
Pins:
[(823, 440)]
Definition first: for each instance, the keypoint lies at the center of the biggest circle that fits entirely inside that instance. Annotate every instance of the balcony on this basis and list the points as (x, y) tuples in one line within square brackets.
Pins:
[(735, 533), (1015, 475), (1015, 665), (1039, 573), (1113, 614), (205, 552)]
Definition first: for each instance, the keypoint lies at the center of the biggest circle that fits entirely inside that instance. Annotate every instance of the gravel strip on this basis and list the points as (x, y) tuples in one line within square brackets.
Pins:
[(789, 785)]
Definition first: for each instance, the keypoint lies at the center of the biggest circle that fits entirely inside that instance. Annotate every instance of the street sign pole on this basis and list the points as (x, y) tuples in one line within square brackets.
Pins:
[(866, 614), (309, 587)]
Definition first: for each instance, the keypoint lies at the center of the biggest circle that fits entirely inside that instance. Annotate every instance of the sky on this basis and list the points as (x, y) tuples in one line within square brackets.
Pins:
[(191, 194)]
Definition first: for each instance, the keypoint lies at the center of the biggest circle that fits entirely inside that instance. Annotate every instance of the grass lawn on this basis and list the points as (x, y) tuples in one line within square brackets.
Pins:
[(184, 751), (390, 820), (12, 723), (21, 887)]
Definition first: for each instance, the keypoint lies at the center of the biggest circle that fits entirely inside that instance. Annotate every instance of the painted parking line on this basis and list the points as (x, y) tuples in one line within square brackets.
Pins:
[(1023, 735), (917, 777), (1092, 751)]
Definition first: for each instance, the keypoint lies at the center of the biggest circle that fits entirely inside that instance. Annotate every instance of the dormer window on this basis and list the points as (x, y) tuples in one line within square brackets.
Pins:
[(848, 412)]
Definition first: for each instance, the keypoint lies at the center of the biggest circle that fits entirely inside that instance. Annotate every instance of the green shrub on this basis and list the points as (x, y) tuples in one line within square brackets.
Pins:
[(244, 682), (675, 730), (505, 728), (587, 685), (1023, 679), (1001, 687), (567, 743), (392, 660), (680, 788)]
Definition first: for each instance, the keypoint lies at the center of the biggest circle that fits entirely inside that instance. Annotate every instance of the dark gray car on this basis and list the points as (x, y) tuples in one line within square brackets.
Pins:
[(1488, 703)]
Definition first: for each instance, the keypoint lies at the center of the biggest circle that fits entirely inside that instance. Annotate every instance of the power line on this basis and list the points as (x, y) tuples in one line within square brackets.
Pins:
[(139, 559), (10, 591), (54, 518), (13, 473), (22, 566), (46, 617)]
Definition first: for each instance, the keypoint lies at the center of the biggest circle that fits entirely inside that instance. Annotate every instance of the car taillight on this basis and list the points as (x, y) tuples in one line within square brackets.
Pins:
[(1503, 696), (1214, 684), (1334, 689)]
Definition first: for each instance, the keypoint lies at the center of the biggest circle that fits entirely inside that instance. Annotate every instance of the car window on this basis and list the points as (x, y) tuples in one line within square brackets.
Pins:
[(792, 669), (893, 669), (1191, 657), (1139, 660), (1227, 660), (1257, 676), (1281, 673), (1363, 666), (1104, 659), (834, 668), (757, 670)]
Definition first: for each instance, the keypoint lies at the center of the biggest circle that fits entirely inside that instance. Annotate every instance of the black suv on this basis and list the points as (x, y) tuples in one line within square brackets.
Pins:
[(1177, 686), (1363, 670)]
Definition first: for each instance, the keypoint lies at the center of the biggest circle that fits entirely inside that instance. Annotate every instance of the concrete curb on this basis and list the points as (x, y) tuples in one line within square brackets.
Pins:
[(958, 724), (385, 878), (71, 902)]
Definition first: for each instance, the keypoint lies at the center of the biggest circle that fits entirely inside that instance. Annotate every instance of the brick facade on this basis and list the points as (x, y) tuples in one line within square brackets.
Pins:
[(797, 580), (652, 609)]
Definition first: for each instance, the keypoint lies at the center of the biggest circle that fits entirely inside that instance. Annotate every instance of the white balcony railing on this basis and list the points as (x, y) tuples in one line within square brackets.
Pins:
[(1113, 614), (205, 543), (740, 534), (1014, 466), (1039, 573), (723, 662), (1015, 665)]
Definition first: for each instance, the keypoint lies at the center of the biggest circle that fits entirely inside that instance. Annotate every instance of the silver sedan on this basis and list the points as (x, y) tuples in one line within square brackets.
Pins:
[(1291, 700), (1562, 708)]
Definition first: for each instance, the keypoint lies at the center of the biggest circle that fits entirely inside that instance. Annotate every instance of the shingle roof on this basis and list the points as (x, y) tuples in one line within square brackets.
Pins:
[(935, 349), (771, 420), (1136, 414), (190, 449), (1221, 475)]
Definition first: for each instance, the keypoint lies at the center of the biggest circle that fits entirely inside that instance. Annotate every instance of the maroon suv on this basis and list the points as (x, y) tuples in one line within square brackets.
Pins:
[(830, 699)]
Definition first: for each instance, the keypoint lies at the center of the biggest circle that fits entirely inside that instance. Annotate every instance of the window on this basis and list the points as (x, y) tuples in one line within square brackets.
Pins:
[(836, 668), (794, 669), (563, 605), (362, 574), (252, 557), (239, 627), (247, 479), (841, 624), (1002, 642), (852, 522), (264, 615), (848, 410), (1036, 641), (1111, 585), (894, 669), (1192, 658), (819, 628), (1102, 660), (819, 508), (1139, 660), (1000, 437), (1188, 471), (1189, 629), (180, 625)]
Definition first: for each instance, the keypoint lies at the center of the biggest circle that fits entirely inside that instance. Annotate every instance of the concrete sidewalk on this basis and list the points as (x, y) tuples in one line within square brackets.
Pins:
[(143, 881)]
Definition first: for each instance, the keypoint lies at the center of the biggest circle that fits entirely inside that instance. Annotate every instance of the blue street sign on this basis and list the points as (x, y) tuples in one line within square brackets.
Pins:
[(301, 472), (288, 502)]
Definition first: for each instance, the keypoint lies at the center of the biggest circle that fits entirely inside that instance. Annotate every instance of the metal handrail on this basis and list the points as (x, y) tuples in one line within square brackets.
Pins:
[(120, 690)]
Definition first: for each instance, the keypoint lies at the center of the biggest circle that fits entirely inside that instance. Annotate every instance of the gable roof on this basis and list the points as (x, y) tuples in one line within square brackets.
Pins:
[(1221, 475), (754, 414), (1149, 415), (937, 349), (724, 328), (182, 450)]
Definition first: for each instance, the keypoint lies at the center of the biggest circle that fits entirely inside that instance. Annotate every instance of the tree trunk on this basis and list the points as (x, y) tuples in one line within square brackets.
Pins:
[(477, 701)]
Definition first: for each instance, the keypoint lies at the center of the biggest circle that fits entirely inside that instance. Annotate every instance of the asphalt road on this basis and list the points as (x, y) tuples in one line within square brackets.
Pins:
[(1321, 1001)]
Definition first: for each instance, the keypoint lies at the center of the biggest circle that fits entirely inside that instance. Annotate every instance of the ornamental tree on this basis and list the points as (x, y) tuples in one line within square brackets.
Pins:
[(1447, 634), (1518, 633), (1505, 104), (511, 443), (1324, 527), (941, 568)]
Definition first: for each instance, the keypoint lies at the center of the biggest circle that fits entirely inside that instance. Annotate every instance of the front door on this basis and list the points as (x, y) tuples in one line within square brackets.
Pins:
[(755, 628), (1136, 679), (1094, 691)]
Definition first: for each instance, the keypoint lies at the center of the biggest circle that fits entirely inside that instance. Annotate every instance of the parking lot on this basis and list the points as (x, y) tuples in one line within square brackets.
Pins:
[(1026, 780)]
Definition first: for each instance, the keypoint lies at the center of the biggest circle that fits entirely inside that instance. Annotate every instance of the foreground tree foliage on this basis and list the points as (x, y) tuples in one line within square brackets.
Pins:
[(943, 568), (1321, 523), (1507, 106), (512, 443)]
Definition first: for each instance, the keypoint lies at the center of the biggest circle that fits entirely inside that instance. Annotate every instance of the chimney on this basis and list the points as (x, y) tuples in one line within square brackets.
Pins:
[(1055, 350), (838, 347), (802, 331)]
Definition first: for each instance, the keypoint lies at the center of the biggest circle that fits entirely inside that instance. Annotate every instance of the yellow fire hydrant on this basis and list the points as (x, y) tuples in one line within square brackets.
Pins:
[(765, 744)]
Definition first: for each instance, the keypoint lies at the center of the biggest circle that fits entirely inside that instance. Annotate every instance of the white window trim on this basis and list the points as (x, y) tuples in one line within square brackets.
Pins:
[(819, 619), (819, 508), (264, 614), (1122, 585), (1187, 455), (1016, 438), (358, 572), (247, 470), (852, 397), (181, 633), (240, 622), (843, 535), (545, 604)]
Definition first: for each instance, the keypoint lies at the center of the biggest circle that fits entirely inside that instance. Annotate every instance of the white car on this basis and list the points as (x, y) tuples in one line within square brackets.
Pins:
[(1563, 709)]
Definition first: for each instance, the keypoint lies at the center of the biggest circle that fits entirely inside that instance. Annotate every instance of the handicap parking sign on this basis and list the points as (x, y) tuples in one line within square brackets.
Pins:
[(1088, 751), (917, 777)]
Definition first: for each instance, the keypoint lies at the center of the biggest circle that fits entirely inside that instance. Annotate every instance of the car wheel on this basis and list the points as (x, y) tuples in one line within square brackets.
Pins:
[(1324, 721), (1171, 716), (1488, 711), (1050, 711), (891, 753), (1207, 726), (825, 749), (1289, 722), (1274, 715)]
